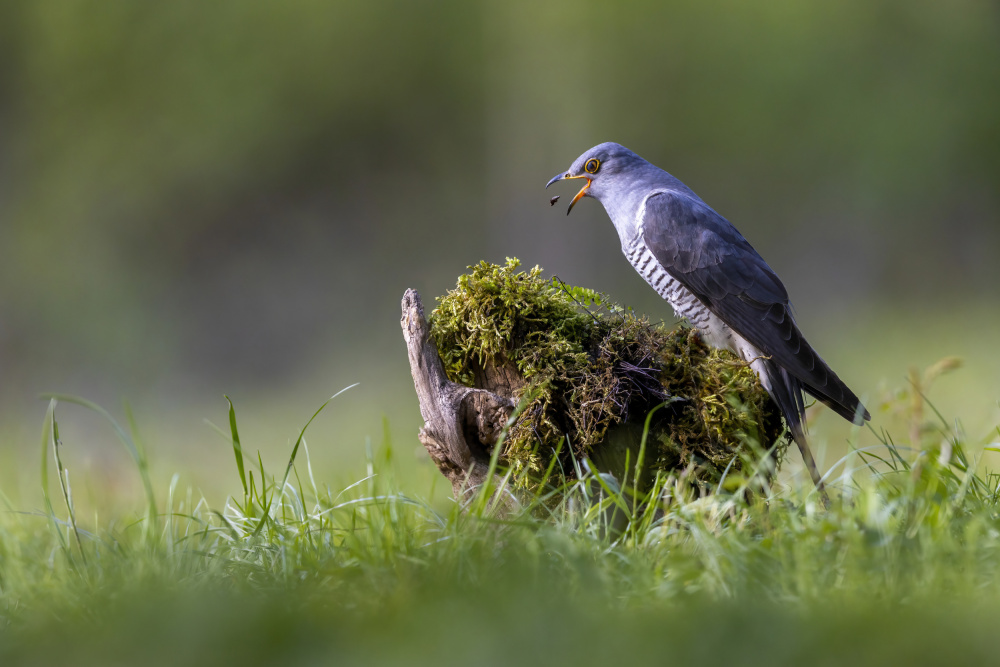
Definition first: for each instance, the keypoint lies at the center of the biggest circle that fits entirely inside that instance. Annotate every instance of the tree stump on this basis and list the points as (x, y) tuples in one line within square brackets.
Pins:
[(591, 386)]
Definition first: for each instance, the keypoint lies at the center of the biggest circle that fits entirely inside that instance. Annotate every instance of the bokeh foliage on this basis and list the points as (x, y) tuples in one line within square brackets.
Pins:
[(171, 171)]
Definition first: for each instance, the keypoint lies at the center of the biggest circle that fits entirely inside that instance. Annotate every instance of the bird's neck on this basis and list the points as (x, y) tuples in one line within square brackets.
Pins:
[(623, 209), (626, 207)]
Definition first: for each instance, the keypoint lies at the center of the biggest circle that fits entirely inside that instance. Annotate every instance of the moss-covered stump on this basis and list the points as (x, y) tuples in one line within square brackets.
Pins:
[(587, 376)]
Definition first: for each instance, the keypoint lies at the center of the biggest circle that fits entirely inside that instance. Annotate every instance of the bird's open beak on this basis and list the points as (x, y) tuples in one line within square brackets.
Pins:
[(579, 195)]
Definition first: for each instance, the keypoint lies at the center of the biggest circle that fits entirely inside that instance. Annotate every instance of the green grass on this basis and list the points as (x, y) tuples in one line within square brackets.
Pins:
[(902, 568)]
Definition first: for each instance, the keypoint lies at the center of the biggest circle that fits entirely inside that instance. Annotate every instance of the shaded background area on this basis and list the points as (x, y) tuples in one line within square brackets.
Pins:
[(231, 198)]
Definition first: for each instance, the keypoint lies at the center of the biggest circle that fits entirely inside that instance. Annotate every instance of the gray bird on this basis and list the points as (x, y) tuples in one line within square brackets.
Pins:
[(696, 260)]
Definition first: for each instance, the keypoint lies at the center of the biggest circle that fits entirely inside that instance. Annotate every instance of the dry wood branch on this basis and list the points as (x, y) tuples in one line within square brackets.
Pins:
[(461, 424)]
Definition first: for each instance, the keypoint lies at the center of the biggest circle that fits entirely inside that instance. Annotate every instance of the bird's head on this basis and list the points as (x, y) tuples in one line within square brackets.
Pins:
[(601, 167)]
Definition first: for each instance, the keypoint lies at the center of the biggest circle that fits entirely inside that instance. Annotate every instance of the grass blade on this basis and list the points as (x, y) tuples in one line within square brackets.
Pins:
[(237, 449)]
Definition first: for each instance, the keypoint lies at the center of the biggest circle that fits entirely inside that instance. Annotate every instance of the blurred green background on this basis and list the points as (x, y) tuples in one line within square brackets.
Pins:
[(231, 197)]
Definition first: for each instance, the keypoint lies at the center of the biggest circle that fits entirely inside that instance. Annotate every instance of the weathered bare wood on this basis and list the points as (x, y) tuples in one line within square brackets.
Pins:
[(461, 424)]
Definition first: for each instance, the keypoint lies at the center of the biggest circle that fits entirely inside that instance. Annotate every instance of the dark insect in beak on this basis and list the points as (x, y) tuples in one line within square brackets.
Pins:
[(552, 202)]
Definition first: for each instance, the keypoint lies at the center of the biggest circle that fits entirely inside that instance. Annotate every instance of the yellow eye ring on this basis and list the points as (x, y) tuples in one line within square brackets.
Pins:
[(593, 164)]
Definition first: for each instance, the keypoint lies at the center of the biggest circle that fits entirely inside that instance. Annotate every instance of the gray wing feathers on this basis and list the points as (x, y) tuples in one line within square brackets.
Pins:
[(706, 254)]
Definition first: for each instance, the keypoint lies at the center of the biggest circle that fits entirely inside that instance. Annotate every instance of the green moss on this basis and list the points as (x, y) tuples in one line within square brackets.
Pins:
[(585, 365)]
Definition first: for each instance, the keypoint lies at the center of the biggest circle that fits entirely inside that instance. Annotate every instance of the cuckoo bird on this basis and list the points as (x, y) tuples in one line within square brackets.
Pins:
[(696, 260)]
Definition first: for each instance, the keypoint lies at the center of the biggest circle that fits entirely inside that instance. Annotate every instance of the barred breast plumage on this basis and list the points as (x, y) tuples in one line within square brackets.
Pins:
[(681, 299)]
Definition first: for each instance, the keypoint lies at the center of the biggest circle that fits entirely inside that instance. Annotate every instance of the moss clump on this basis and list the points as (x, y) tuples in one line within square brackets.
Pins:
[(583, 365)]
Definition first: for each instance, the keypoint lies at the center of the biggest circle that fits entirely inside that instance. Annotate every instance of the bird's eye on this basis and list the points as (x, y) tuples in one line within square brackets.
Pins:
[(593, 164)]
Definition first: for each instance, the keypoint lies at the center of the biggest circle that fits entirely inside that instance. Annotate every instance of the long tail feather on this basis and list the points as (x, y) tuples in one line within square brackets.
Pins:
[(786, 391)]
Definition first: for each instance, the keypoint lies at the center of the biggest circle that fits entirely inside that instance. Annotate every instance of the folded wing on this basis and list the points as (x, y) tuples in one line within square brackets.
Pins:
[(705, 253)]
